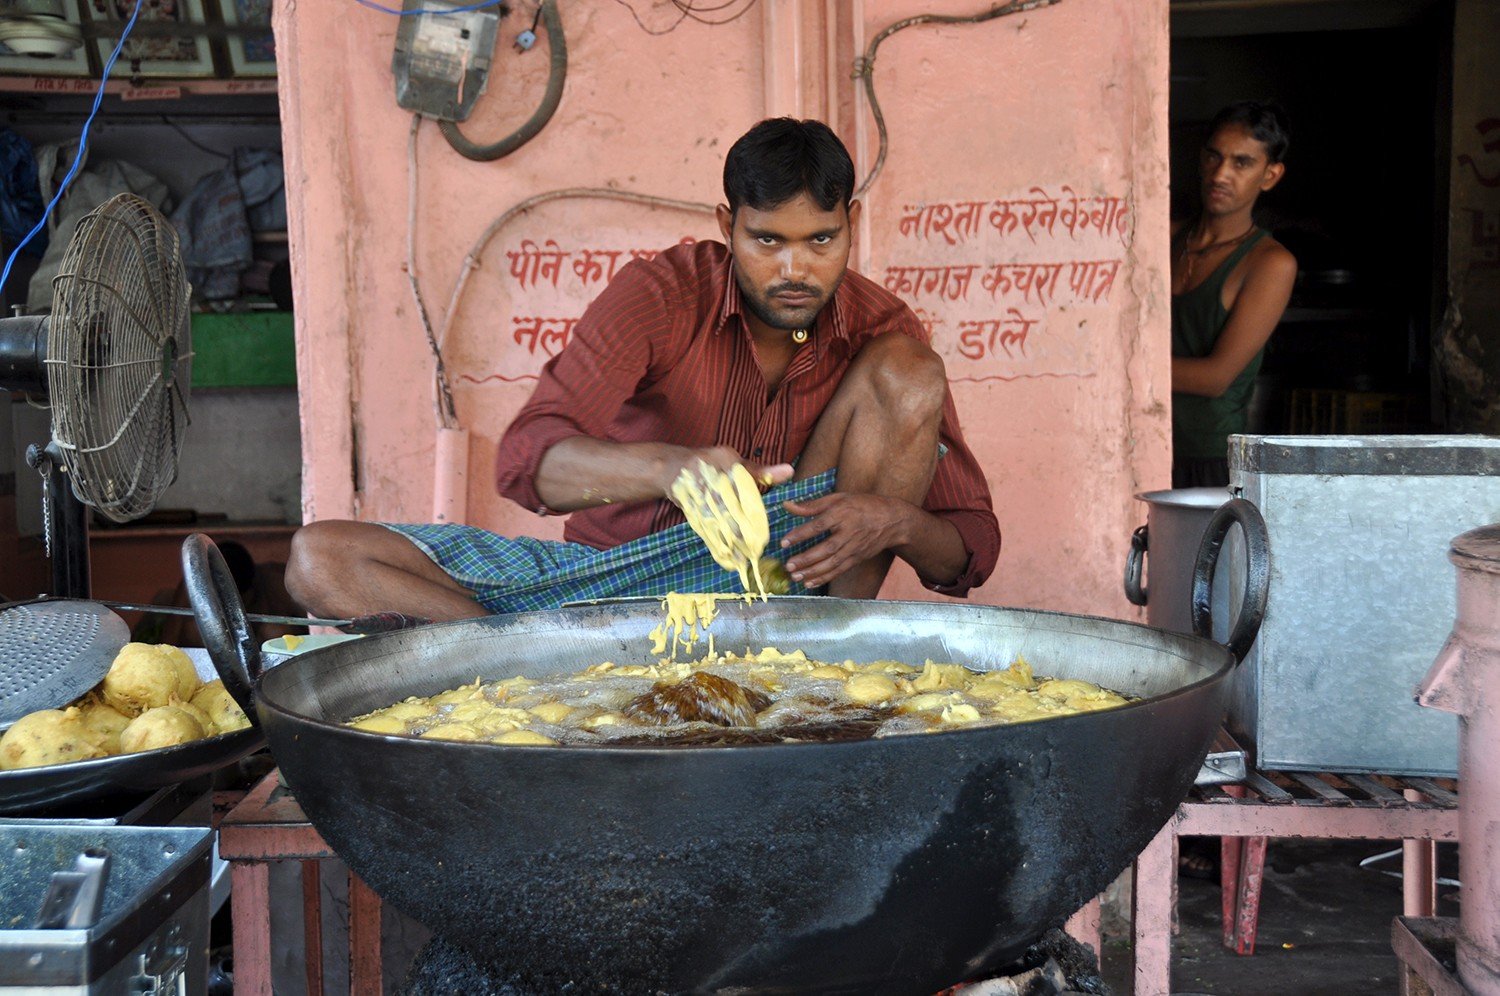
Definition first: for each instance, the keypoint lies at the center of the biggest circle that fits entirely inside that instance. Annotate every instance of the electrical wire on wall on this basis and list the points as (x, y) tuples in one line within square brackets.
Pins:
[(864, 66), (557, 75), (447, 414), (693, 10), (547, 14), (689, 10), (436, 10), (437, 338)]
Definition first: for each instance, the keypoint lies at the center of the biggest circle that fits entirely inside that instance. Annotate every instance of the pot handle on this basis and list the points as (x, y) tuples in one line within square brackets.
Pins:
[(1257, 574), (221, 619), (1140, 540)]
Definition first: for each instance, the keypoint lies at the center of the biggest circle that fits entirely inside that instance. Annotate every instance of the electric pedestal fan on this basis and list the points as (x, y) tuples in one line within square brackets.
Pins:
[(113, 360)]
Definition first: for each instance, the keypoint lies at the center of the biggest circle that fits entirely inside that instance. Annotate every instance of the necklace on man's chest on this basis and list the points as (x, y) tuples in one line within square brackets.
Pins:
[(1189, 256), (799, 336)]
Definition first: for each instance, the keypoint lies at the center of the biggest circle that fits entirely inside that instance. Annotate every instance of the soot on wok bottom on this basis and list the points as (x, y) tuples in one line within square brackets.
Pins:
[(1056, 965)]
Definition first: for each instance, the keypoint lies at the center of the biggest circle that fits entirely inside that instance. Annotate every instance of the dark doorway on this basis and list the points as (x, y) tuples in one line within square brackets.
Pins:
[(1363, 206)]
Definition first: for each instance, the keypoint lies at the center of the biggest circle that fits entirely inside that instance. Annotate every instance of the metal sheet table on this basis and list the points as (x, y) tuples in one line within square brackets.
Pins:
[(1418, 811)]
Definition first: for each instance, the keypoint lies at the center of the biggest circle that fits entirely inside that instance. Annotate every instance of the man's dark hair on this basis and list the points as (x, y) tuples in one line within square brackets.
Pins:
[(1265, 121), (783, 157)]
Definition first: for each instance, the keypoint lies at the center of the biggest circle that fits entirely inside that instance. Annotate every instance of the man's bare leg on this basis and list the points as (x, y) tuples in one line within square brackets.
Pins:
[(881, 431), (340, 569)]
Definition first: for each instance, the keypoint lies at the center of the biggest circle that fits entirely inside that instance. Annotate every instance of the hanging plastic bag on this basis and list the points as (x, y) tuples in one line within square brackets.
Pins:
[(97, 181)]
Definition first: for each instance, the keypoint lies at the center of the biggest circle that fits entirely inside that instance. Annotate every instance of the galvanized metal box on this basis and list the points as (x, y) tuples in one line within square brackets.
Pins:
[(151, 936), (1362, 595)]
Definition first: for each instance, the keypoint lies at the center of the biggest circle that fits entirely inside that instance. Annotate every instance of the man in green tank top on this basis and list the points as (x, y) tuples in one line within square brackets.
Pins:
[(1230, 284)]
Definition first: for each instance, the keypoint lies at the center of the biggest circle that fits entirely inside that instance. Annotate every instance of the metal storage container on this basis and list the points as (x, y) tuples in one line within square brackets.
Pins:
[(1361, 595), (151, 931)]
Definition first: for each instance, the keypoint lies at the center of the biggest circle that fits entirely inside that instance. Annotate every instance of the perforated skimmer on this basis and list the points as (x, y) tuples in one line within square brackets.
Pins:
[(53, 651)]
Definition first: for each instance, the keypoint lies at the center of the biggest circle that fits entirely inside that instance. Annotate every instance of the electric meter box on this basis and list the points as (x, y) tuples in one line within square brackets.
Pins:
[(442, 59)]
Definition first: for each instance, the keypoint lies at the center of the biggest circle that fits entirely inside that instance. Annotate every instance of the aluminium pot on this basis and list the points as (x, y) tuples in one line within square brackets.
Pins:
[(896, 865), (1165, 550)]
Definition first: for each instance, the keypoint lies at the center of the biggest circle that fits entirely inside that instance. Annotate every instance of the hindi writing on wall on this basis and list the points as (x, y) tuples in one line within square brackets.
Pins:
[(550, 284), (1010, 287)]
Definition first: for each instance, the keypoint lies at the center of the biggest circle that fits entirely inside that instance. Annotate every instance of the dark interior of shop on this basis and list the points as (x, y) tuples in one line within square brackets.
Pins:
[(1366, 91)]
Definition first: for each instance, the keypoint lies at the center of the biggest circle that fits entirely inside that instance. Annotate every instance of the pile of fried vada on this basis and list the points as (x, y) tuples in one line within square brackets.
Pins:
[(151, 698)]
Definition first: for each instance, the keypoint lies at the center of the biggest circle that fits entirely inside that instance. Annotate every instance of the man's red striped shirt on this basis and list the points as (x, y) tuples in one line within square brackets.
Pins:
[(664, 355)]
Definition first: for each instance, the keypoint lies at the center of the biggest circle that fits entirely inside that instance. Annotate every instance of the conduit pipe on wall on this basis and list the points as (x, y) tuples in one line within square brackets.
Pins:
[(450, 483), (559, 73), (864, 66)]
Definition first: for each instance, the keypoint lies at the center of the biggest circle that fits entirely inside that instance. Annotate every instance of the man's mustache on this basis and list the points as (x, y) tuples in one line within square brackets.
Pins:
[(793, 289)]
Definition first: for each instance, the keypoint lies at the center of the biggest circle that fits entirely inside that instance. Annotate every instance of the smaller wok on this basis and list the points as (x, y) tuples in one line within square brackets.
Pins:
[(27, 790), (899, 865)]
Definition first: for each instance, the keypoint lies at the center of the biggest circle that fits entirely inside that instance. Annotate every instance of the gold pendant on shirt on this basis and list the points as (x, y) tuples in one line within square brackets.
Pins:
[(799, 336)]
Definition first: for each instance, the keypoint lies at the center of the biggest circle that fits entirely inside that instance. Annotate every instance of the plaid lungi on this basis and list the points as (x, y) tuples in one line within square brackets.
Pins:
[(518, 574)]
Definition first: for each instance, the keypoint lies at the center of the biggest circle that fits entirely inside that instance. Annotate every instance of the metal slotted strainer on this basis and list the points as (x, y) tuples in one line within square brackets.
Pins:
[(53, 651)]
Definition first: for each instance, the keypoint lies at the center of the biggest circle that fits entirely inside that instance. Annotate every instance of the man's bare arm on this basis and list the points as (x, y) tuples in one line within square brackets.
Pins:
[(584, 472), (1257, 310)]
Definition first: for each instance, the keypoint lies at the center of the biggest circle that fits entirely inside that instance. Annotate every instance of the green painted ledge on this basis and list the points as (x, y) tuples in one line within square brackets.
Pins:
[(245, 349)]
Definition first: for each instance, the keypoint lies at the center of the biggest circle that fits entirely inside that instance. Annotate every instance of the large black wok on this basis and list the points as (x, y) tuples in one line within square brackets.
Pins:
[(898, 865)]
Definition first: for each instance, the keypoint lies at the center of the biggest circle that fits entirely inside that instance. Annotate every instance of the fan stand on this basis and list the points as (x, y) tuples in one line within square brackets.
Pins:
[(65, 520), (65, 524)]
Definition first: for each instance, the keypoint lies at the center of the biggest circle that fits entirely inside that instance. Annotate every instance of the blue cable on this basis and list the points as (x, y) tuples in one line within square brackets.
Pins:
[(83, 147), (412, 13)]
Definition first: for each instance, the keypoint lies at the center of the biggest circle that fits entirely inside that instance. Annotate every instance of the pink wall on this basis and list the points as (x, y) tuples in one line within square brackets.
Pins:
[(1022, 208)]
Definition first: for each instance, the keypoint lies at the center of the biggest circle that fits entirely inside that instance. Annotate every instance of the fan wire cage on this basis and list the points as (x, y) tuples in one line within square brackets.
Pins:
[(119, 357)]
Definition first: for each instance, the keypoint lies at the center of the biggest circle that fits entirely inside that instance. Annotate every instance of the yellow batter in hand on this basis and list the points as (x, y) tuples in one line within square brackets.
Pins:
[(726, 510)]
